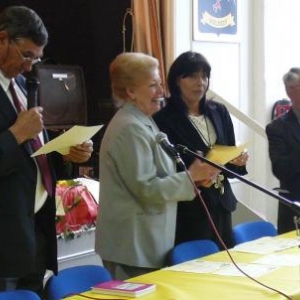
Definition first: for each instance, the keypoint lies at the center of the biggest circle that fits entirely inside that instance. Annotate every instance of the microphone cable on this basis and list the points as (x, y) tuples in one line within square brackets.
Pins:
[(198, 194)]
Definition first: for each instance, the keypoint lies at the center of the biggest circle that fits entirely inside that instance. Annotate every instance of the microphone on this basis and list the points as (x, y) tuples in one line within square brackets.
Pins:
[(162, 139), (32, 84)]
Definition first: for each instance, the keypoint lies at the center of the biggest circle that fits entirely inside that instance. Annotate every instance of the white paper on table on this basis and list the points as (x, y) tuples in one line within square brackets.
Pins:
[(253, 270), (198, 266), (281, 260), (74, 136), (266, 245)]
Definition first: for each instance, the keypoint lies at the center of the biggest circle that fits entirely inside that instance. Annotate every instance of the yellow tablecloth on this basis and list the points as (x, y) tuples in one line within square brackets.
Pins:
[(174, 285)]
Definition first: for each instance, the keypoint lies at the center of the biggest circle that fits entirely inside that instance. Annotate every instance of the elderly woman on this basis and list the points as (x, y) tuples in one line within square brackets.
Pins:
[(139, 184), (198, 123)]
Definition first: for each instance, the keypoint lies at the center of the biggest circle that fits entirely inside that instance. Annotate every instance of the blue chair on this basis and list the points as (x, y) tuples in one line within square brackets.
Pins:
[(249, 231), (192, 250), (19, 295), (75, 280)]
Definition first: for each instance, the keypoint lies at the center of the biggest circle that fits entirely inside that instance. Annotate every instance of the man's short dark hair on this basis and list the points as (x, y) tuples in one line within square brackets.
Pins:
[(23, 22)]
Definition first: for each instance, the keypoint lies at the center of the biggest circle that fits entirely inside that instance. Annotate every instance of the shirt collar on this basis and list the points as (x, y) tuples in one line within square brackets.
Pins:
[(4, 82)]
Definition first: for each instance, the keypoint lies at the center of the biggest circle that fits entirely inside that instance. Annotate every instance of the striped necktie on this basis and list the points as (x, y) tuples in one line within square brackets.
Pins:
[(35, 144)]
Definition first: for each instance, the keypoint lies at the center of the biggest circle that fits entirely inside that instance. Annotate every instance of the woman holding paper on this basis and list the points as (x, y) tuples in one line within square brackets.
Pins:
[(139, 184), (198, 123)]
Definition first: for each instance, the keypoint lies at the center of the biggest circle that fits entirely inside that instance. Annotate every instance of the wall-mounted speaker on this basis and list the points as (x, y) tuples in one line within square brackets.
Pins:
[(62, 95)]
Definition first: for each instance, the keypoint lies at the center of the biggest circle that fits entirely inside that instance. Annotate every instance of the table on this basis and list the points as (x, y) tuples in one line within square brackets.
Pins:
[(174, 285)]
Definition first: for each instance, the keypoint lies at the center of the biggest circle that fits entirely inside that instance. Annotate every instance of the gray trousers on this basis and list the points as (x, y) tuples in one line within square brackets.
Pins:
[(123, 272)]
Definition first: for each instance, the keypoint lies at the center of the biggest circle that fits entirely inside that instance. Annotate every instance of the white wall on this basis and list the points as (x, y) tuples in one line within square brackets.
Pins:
[(275, 50), (248, 73)]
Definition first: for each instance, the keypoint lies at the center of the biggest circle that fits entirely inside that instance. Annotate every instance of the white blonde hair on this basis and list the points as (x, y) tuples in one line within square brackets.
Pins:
[(130, 69)]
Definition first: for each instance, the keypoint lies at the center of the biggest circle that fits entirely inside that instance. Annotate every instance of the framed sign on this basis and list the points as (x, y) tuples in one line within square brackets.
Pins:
[(215, 20)]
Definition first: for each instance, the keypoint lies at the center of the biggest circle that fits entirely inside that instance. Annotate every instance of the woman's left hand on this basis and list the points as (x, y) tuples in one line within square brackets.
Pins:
[(241, 160), (80, 153)]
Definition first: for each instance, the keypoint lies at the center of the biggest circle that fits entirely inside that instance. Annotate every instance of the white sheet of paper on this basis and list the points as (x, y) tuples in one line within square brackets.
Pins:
[(74, 136), (266, 245), (289, 260), (198, 266), (222, 268), (253, 270)]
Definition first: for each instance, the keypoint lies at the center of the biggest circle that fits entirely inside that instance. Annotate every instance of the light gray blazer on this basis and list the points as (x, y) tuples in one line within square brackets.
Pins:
[(139, 193)]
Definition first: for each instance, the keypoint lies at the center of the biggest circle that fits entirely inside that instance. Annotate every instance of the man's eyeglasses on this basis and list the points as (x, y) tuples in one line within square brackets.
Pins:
[(26, 59)]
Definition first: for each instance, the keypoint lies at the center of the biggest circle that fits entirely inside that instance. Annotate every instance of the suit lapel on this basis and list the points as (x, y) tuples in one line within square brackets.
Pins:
[(293, 124), (8, 115), (147, 121), (215, 118), (6, 110), (185, 131)]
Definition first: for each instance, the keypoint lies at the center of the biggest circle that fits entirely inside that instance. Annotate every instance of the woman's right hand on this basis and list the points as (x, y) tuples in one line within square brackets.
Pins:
[(200, 171)]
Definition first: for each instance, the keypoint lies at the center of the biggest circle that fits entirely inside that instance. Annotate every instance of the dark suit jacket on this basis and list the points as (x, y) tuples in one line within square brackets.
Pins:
[(173, 121), (284, 150), (17, 196)]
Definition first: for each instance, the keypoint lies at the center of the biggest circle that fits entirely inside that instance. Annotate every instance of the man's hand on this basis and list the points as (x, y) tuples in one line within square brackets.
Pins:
[(80, 153), (28, 124)]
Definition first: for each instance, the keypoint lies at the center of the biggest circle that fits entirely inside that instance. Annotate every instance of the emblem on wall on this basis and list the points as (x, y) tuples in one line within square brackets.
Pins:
[(215, 17)]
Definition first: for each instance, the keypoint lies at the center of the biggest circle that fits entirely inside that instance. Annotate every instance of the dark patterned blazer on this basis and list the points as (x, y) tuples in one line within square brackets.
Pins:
[(175, 123), (192, 220), (17, 196)]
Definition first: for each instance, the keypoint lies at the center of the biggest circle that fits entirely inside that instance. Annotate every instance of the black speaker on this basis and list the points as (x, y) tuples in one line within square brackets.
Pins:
[(62, 94)]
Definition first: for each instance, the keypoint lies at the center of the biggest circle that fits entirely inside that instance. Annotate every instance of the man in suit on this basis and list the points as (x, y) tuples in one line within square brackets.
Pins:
[(284, 150), (27, 205)]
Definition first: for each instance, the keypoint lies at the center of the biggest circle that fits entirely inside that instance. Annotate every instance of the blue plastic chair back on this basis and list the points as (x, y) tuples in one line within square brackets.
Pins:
[(19, 295), (75, 280), (249, 231), (191, 250)]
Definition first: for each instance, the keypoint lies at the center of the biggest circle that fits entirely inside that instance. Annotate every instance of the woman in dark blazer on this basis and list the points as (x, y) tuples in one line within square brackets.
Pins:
[(192, 120)]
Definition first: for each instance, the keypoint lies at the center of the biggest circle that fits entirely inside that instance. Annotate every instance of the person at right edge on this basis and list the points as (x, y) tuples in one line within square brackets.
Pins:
[(284, 151), (192, 120)]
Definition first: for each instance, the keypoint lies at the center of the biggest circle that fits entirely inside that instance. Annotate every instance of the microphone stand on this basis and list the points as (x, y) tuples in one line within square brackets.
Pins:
[(185, 150), (295, 205)]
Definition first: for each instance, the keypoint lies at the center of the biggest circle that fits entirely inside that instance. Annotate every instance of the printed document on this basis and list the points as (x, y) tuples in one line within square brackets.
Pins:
[(74, 136)]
